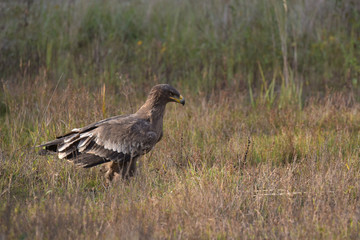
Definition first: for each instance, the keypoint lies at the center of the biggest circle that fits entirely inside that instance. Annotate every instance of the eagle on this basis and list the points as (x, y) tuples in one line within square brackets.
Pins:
[(118, 141)]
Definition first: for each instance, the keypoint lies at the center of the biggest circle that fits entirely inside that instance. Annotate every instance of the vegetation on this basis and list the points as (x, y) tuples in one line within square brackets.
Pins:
[(267, 145)]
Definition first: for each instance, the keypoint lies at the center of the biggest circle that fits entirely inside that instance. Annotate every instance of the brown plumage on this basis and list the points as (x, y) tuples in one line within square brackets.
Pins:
[(118, 141)]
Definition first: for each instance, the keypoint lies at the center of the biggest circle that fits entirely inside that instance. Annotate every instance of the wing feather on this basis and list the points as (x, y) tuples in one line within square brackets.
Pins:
[(114, 139)]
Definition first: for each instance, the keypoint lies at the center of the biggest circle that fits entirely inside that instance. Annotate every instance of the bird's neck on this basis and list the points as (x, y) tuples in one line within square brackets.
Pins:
[(154, 111)]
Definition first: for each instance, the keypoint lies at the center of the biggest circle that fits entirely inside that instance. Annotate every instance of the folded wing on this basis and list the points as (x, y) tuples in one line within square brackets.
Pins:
[(116, 139)]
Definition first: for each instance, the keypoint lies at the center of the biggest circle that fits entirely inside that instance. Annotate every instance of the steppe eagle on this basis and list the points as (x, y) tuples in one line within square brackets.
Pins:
[(118, 141)]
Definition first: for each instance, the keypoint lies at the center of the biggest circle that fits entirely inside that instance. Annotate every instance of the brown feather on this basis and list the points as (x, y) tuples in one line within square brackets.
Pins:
[(120, 139)]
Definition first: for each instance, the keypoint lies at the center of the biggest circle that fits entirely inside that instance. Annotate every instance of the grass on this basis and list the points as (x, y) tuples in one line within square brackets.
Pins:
[(202, 45), (300, 178), (65, 65)]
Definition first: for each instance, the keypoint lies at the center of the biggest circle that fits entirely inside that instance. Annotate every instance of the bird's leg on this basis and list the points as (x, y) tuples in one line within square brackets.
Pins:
[(129, 169), (126, 169), (113, 170)]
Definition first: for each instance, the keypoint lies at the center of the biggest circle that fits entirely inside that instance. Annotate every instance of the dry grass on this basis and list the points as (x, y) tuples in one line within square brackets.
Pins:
[(301, 174), (301, 178)]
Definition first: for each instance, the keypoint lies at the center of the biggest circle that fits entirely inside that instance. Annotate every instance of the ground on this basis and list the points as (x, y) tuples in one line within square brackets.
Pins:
[(300, 178), (281, 75)]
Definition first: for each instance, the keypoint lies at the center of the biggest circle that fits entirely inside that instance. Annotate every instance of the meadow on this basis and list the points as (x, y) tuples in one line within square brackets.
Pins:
[(266, 147)]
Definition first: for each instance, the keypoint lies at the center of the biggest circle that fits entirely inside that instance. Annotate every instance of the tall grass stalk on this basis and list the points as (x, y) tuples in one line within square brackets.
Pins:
[(281, 14), (66, 64), (202, 44), (301, 169)]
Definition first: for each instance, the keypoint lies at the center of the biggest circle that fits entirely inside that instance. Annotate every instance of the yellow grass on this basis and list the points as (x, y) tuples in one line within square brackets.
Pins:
[(301, 178)]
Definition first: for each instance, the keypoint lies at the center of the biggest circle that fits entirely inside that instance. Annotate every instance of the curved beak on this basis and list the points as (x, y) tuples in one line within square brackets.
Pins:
[(181, 99)]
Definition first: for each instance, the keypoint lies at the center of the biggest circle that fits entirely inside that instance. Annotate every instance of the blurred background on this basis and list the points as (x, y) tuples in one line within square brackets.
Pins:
[(258, 47)]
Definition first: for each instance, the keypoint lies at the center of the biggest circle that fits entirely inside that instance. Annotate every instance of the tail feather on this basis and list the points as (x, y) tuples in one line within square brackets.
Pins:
[(50, 147), (44, 152), (73, 147), (88, 160)]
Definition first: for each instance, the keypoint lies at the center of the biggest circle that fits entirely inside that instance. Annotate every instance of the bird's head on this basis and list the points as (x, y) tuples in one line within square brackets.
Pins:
[(165, 93)]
